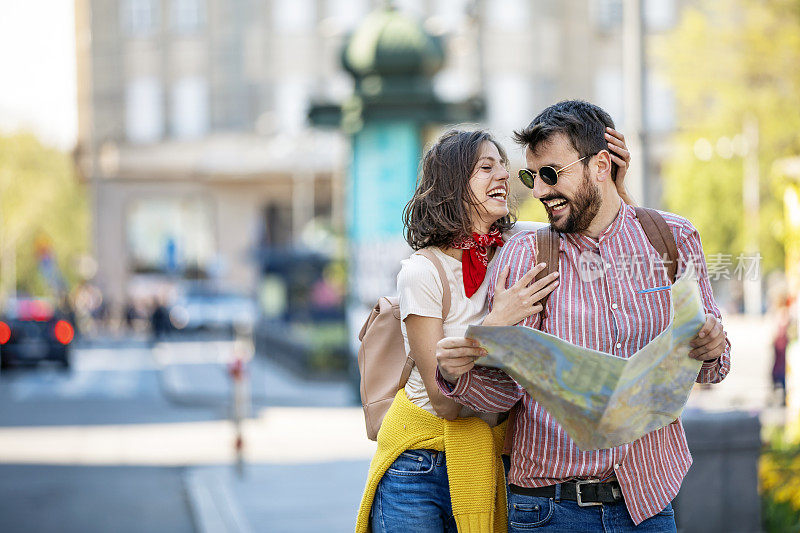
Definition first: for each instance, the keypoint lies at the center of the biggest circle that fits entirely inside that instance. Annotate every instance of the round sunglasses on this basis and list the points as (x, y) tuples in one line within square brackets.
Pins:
[(548, 174)]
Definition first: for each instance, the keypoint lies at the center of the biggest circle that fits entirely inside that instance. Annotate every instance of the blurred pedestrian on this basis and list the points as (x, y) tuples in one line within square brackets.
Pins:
[(779, 343), (159, 319), (438, 467), (553, 485)]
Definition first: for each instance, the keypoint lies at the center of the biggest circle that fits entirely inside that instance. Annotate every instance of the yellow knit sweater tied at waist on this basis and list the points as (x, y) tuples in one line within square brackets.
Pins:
[(474, 468)]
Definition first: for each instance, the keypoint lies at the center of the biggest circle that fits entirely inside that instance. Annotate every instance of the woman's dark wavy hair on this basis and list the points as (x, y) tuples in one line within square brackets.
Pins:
[(438, 213)]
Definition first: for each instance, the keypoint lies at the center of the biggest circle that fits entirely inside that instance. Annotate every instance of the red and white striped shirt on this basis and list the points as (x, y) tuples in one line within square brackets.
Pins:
[(605, 312)]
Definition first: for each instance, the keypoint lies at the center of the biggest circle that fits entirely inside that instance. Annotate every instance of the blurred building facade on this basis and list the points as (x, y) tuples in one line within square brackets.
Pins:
[(192, 113)]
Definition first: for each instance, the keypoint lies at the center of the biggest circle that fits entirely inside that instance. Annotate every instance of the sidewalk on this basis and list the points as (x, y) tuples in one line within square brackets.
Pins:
[(308, 465), (305, 471), (305, 446), (748, 386), (280, 498)]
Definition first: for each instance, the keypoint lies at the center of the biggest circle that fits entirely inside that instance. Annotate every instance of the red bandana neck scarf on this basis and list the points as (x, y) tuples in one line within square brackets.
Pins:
[(475, 257)]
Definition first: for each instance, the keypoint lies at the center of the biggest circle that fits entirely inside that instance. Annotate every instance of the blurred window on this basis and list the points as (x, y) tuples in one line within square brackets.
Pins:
[(450, 15), (452, 85), (660, 104), (139, 17), (294, 16), (170, 235), (607, 14), (509, 14), (188, 16), (323, 199), (277, 228), (659, 15), (291, 100), (144, 110), (548, 44), (346, 13), (608, 89), (510, 97), (411, 7), (189, 112)]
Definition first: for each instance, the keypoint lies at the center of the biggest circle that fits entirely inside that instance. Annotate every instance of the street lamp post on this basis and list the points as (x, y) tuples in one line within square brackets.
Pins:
[(751, 284), (633, 63)]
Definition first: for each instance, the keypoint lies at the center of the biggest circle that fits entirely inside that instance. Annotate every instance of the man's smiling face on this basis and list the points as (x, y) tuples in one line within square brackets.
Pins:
[(575, 199)]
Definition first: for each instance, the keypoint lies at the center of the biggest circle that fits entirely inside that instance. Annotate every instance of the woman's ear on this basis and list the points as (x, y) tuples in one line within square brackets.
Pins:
[(603, 162)]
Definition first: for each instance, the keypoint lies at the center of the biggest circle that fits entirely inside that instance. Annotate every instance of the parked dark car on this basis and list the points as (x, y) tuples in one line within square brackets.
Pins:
[(32, 331)]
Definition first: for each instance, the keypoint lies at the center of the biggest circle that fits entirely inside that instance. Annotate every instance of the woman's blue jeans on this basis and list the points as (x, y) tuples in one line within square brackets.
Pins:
[(413, 495)]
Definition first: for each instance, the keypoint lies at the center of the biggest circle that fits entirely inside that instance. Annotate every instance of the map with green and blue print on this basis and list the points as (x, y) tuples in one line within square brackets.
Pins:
[(601, 400)]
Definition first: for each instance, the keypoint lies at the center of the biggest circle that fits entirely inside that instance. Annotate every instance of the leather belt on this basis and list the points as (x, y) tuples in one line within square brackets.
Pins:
[(586, 492)]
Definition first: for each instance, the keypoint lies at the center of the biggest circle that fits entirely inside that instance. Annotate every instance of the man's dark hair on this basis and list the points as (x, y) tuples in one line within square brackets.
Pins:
[(439, 211), (584, 124)]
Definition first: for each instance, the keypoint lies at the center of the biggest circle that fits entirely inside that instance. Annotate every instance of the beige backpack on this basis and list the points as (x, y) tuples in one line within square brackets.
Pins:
[(382, 359)]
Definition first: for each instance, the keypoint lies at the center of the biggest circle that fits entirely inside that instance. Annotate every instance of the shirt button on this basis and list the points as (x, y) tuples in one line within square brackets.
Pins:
[(619, 345), (614, 306), (616, 465)]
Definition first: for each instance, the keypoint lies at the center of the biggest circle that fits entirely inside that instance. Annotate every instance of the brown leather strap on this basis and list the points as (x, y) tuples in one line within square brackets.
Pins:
[(427, 253), (446, 296), (547, 245), (661, 237), (547, 248)]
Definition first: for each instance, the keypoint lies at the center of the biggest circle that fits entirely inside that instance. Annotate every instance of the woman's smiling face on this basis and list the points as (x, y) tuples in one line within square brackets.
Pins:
[(489, 186)]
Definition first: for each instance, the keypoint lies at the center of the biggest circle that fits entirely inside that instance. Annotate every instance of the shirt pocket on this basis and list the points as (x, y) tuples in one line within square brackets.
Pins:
[(655, 304)]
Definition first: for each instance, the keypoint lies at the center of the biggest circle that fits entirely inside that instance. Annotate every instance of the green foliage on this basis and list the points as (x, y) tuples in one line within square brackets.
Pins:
[(41, 201), (779, 485), (727, 61)]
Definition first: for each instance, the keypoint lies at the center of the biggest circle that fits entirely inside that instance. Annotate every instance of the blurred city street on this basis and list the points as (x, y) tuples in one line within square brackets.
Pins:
[(138, 438), (132, 439), (202, 200)]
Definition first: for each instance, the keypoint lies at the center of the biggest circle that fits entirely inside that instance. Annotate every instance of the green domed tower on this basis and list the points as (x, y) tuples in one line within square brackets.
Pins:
[(391, 54), (392, 60)]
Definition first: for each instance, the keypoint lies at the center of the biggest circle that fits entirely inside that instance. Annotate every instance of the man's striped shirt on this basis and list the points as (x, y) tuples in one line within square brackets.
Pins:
[(599, 304)]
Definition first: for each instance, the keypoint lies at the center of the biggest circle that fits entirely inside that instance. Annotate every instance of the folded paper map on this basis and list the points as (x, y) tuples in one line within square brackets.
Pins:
[(602, 400)]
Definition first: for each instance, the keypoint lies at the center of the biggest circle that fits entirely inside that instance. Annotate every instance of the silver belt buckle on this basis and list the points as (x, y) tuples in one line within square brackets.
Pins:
[(578, 485)]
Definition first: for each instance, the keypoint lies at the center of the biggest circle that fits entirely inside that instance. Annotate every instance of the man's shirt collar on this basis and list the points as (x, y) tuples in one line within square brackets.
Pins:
[(584, 242)]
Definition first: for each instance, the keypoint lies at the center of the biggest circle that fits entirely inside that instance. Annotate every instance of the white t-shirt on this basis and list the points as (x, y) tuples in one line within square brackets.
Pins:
[(420, 293)]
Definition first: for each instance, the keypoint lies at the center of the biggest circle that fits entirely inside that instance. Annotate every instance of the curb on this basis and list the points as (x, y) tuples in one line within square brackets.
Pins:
[(211, 503)]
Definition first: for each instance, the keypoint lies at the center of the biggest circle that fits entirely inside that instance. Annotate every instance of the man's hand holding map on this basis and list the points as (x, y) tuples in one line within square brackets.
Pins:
[(601, 400)]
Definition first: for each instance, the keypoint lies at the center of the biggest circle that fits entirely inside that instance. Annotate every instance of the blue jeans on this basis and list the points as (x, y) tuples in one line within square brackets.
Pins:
[(529, 513), (413, 496)]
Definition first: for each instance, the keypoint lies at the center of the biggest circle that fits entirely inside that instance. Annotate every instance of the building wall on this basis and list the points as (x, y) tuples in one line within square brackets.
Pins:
[(182, 74)]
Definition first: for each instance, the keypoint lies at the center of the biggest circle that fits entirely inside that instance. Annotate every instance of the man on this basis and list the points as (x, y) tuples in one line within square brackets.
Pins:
[(553, 484)]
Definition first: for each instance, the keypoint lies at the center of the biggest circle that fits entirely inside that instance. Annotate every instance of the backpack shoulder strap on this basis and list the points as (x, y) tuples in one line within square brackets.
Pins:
[(660, 236), (547, 247), (428, 253)]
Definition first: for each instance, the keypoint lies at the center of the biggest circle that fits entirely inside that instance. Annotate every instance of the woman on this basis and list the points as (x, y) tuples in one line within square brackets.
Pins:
[(437, 467)]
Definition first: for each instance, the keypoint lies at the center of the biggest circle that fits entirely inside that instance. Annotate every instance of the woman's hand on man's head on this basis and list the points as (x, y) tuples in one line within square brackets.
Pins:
[(622, 158)]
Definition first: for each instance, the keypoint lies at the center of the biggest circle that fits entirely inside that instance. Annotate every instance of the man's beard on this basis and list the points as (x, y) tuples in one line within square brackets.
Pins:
[(582, 208)]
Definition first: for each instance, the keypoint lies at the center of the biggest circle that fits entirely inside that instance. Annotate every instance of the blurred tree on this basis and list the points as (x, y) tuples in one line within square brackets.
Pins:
[(728, 61), (42, 206)]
